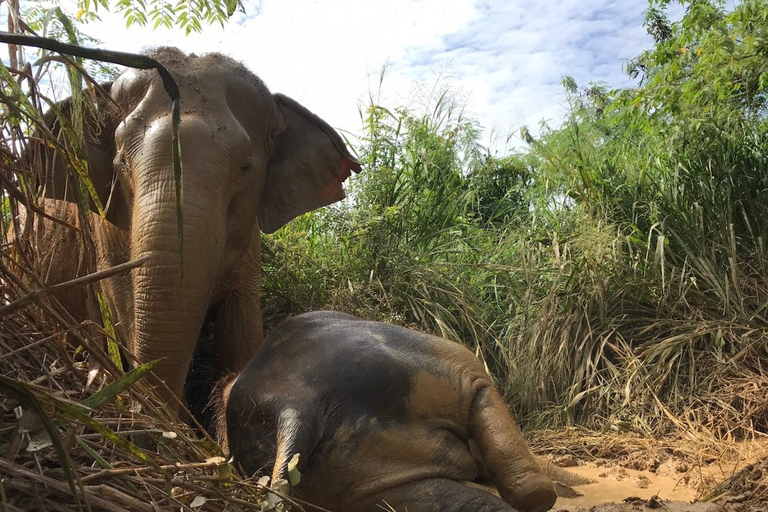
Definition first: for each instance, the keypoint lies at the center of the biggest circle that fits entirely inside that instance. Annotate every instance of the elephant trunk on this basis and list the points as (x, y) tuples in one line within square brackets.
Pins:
[(170, 305)]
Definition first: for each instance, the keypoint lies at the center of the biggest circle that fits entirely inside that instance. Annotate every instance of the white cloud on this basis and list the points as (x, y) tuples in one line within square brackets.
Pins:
[(513, 56), (508, 55)]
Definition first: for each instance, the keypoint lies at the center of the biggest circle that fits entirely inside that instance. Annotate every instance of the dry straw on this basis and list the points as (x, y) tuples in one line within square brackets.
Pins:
[(76, 431)]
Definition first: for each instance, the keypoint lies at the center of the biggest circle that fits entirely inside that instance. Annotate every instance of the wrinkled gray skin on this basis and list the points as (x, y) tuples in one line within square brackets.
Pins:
[(379, 414), (250, 160)]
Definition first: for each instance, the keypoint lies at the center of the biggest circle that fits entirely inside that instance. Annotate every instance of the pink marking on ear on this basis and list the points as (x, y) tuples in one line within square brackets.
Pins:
[(348, 165)]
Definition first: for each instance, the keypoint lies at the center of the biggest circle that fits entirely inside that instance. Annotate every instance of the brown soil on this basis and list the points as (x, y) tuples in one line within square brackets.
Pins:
[(641, 476)]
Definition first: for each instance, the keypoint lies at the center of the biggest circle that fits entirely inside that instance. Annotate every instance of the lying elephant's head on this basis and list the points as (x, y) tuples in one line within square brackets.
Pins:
[(251, 159)]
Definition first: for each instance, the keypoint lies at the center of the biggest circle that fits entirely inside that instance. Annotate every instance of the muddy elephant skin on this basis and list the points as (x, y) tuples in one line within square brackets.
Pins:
[(379, 414), (251, 161)]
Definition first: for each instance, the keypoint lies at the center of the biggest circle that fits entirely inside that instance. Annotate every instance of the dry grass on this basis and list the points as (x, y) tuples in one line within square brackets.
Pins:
[(125, 454), (748, 486), (76, 431)]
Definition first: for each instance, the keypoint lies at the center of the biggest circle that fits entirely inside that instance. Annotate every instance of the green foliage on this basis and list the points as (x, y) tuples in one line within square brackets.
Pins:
[(54, 23), (185, 14), (409, 223), (191, 16), (677, 167), (613, 273), (499, 190)]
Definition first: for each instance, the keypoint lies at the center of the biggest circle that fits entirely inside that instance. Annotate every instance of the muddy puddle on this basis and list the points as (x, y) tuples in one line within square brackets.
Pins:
[(631, 487), (673, 484), (615, 484)]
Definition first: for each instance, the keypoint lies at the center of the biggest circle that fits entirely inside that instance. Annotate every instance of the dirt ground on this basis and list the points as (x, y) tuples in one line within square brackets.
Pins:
[(647, 476)]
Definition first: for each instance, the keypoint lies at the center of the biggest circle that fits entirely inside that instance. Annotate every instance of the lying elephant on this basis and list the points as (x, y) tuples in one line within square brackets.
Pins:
[(251, 161), (380, 415)]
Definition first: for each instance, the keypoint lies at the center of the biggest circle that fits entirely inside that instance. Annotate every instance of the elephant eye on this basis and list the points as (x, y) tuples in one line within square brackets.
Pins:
[(246, 165)]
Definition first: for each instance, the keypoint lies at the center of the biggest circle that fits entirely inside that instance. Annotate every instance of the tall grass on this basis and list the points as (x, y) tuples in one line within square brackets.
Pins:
[(611, 275)]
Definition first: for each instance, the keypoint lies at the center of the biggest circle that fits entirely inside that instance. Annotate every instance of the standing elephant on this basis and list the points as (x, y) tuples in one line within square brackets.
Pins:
[(251, 161), (379, 415)]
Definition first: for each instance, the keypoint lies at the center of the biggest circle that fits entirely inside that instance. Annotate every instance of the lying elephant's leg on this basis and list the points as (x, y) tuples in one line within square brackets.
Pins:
[(510, 464), (435, 495)]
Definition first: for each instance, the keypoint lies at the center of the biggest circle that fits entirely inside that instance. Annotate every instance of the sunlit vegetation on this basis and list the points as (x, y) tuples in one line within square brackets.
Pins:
[(188, 15), (611, 273)]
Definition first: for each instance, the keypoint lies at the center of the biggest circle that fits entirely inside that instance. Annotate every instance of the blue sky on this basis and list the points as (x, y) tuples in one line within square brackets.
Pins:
[(507, 57)]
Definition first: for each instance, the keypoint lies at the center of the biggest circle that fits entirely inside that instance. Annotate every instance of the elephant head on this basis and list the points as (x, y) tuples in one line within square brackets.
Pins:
[(251, 160)]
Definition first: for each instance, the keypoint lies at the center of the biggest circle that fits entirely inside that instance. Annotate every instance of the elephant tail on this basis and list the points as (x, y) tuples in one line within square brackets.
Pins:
[(218, 402)]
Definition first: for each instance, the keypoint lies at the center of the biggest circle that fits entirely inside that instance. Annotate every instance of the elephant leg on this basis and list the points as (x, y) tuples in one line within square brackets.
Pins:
[(238, 330), (510, 464), (237, 333), (435, 495)]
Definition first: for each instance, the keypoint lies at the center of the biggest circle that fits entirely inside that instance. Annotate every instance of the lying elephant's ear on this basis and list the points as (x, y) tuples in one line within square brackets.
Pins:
[(60, 170), (306, 172)]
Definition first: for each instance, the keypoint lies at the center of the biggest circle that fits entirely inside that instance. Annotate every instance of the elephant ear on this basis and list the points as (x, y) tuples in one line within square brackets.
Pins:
[(61, 171), (308, 167)]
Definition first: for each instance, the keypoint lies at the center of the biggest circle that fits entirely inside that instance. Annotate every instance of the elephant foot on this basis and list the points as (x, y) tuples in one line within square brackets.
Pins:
[(534, 493)]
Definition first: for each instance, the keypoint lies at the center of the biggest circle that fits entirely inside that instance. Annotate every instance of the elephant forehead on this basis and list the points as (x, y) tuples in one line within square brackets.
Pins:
[(214, 64), (204, 83)]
